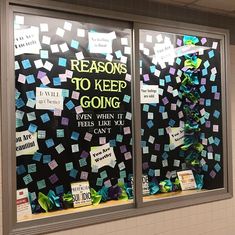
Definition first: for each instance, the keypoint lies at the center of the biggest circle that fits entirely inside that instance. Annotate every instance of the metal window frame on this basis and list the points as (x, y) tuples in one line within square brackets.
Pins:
[(7, 145)]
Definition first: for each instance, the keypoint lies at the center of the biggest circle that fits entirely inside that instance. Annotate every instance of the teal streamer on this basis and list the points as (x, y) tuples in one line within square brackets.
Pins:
[(104, 193), (55, 200), (199, 180), (153, 188)]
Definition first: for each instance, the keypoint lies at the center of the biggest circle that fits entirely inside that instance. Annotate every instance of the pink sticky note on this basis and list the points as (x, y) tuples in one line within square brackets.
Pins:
[(53, 164)]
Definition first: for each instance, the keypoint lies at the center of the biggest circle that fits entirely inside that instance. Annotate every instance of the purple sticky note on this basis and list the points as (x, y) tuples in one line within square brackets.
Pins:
[(217, 96), (203, 81), (210, 149), (208, 124), (145, 165), (123, 149), (212, 174), (53, 178), (202, 101), (165, 101), (157, 147), (64, 121), (179, 42), (172, 71), (203, 41), (84, 154), (41, 74), (146, 77)]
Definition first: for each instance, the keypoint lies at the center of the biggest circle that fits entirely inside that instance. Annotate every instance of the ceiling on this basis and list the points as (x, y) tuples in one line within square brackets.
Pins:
[(226, 7)]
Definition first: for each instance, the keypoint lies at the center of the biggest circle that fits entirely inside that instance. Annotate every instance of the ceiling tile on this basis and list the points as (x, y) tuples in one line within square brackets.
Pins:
[(226, 5)]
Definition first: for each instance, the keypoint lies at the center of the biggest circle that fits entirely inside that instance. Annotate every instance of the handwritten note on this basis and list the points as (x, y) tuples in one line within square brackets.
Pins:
[(149, 94), (176, 136)]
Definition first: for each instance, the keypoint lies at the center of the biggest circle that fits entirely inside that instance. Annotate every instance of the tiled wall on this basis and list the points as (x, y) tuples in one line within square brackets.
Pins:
[(217, 218)]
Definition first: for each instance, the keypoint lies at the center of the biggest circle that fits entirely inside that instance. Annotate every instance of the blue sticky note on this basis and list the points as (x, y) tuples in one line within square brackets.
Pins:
[(143, 143), (178, 61), (20, 103), (65, 93), (17, 95), (150, 124), (44, 54), (205, 167), (217, 167), (151, 172), (161, 82), (203, 153), (161, 131), (20, 169), (126, 98), (122, 174), (202, 89), (207, 115), (99, 181), (30, 94), (118, 54), (60, 133), (82, 162), (57, 81), (166, 147), (69, 166), (32, 128), (59, 189), (45, 117), (216, 114), (171, 122), (41, 134), (31, 116), (211, 54), (27, 179), (119, 138), (202, 120), (204, 72), (217, 157), (208, 102), (41, 184), (112, 143), (62, 62), (146, 108), (73, 173), (46, 159), (211, 140), (49, 143), (32, 168), (216, 141), (26, 64), (212, 77), (75, 135), (103, 174), (168, 78), (206, 64), (74, 44), (30, 79), (70, 105), (152, 68), (214, 89), (37, 156), (161, 109)]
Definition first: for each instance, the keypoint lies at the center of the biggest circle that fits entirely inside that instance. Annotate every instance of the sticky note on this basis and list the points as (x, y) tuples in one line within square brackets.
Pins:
[(27, 179), (53, 164), (74, 44), (44, 54), (60, 32), (75, 148), (41, 184), (74, 135), (73, 173), (45, 117), (26, 64), (69, 166), (59, 148), (32, 128), (62, 62), (32, 168), (20, 169), (53, 178)]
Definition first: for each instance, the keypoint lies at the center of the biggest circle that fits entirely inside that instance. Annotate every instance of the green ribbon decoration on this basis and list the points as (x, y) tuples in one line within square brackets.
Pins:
[(124, 195), (165, 186), (95, 197), (190, 40), (191, 127), (68, 200), (44, 202)]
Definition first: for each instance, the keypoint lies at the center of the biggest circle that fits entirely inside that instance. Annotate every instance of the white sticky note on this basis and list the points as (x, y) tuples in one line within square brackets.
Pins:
[(123, 59), (64, 47), (45, 80), (79, 55), (80, 32), (60, 32), (67, 26), (46, 40), (19, 19), (214, 45), (109, 57), (159, 38), (149, 38), (127, 50), (38, 64), (124, 41), (48, 65), (54, 48)]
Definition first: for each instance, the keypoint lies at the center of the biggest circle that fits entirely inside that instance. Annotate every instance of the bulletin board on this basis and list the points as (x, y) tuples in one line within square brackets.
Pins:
[(73, 96), (185, 72)]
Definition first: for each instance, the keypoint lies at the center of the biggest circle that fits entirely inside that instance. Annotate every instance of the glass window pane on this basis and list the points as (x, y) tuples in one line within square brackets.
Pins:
[(182, 147), (73, 115)]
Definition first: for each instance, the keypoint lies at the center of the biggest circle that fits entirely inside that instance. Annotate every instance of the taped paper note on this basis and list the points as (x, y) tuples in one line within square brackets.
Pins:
[(149, 94), (26, 143), (27, 41), (100, 42), (49, 98), (187, 180), (102, 156), (176, 136), (22, 202)]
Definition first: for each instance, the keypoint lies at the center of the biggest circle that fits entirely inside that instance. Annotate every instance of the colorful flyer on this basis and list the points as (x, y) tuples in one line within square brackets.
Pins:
[(22, 203), (186, 179)]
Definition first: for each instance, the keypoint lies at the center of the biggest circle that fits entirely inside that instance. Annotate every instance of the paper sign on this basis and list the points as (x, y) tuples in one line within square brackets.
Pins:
[(102, 156), (27, 41), (100, 42), (149, 94), (186, 179), (81, 194), (145, 184), (176, 136), (22, 203), (26, 143), (49, 98)]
